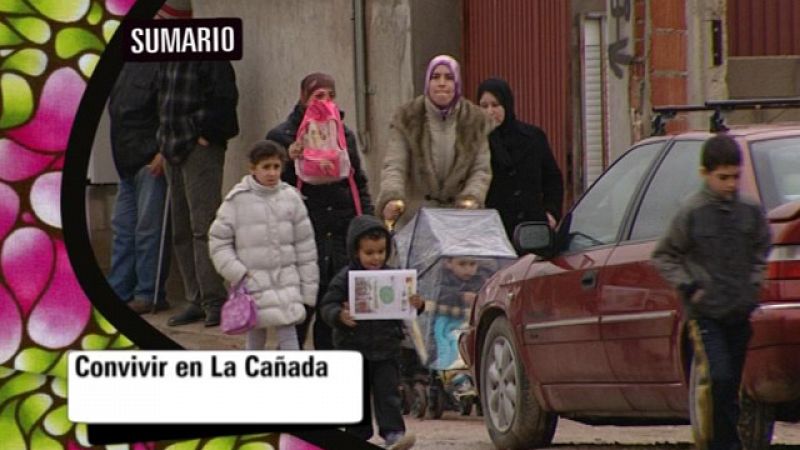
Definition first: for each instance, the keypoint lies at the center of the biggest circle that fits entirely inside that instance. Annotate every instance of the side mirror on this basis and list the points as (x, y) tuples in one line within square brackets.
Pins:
[(534, 237)]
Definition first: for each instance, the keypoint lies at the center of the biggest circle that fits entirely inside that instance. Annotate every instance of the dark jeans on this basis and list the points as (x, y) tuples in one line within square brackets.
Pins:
[(383, 379), (196, 193), (722, 348), (137, 221)]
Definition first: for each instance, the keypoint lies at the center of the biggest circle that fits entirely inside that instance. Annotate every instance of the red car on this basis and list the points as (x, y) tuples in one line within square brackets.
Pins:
[(587, 329)]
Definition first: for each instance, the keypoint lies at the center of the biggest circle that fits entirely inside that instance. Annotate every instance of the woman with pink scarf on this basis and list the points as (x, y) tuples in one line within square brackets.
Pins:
[(438, 150)]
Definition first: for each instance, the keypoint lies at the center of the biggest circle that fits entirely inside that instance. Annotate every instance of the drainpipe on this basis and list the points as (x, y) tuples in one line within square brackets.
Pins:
[(360, 59)]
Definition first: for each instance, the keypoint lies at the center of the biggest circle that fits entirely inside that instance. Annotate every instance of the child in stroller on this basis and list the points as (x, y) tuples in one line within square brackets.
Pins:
[(454, 252)]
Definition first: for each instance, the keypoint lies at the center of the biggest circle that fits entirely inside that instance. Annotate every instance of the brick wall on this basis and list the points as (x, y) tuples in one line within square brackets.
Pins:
[(666, 58)]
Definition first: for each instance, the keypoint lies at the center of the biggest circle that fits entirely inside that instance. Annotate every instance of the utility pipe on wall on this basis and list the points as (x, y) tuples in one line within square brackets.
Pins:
[(361, 88)]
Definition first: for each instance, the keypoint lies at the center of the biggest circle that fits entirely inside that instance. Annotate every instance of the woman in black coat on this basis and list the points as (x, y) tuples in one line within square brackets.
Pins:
[(330, 206), (526, 181)]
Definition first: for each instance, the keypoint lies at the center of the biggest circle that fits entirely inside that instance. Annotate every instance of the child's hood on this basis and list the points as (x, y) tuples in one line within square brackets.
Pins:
[(361, 225)]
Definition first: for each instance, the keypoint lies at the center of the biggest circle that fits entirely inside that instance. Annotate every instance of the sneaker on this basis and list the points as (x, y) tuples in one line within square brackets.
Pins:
[(400, 441), (191, 314), (212, 317)]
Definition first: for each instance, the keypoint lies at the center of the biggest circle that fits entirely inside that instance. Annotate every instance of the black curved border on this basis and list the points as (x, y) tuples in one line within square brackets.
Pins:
[(97, 289)]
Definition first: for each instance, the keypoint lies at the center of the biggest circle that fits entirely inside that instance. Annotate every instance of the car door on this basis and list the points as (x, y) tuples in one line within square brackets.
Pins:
[(640, 313), (561, 308)]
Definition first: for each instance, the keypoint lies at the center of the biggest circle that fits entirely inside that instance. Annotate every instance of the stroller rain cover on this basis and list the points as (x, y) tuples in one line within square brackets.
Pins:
[(454, 252)]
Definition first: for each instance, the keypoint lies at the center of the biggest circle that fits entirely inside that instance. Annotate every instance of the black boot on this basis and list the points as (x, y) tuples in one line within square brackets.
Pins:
[(191, 314), (212, 316)]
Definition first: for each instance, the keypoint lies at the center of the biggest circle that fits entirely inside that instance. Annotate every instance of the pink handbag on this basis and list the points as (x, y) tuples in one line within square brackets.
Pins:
[(238, 312)]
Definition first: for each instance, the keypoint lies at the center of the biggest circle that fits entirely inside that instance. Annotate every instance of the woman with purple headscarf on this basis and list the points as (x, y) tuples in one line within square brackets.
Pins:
[(438, 150)]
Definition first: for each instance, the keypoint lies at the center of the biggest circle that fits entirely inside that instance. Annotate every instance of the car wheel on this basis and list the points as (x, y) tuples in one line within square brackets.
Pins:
[(513, 416), (756, 423)]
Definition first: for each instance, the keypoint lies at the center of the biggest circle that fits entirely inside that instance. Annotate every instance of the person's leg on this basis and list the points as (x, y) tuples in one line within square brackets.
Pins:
[(738, 336), (364, 430), (182, 245), (256, 339), (121, 276), (323, 334), (442, 327), (386, 398), (203, 184), (151, 198), (713, 351), (301, 329), (287, 338)]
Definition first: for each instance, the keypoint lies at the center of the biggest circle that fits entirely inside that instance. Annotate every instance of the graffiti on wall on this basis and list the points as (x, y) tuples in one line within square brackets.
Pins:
[(617, 57)]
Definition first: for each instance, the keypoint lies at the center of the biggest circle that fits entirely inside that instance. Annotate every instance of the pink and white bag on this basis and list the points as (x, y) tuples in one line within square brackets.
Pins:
[(324, 159)]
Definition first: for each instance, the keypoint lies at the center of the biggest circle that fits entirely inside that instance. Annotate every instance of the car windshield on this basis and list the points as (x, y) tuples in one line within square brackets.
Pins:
[(777, 167)]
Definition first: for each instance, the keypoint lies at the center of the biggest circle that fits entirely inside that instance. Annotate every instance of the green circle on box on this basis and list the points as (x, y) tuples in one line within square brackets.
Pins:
[(387, 294)]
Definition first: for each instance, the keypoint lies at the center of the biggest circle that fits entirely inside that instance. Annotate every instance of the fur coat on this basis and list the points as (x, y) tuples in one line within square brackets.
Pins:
[(408, 169)]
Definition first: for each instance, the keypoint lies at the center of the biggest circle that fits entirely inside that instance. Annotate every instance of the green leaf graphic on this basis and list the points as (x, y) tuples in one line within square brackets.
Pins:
[(15, 6), (30, 61), (56, 423), (71, 41), (87, 63), (256, 446), (102, 322), (60, 368), (6, 372), (221, 443), (81, 435), (32, 409), (33, 28), (34, 359), (185, 445), (95, 14), (121, 342), (109, 27), (62, 10), (8, 37), (41, 441), (94, 342), (9, 429), (21, 383), (17, 100), (59, 387)]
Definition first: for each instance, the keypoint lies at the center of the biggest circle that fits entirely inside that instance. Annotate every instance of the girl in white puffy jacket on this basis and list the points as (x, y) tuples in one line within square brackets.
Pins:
[(262, 234)]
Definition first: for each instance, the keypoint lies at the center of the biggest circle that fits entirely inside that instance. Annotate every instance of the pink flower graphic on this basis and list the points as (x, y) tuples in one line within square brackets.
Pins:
[(63, 311), (290, 442), (49, 128), (18, 163)]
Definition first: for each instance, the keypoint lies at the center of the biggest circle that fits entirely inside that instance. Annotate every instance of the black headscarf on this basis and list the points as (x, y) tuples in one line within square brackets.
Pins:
[(501, 138)]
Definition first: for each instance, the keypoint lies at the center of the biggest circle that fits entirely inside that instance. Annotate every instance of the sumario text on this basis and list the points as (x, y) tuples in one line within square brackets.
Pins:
[(192, 39)]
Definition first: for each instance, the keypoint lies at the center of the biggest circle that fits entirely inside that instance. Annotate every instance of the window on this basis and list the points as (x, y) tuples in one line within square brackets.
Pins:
[(597, 217), (665, 193), (777, 166)]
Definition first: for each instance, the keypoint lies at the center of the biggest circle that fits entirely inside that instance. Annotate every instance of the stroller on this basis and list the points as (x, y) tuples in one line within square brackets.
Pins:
[(454, 252)]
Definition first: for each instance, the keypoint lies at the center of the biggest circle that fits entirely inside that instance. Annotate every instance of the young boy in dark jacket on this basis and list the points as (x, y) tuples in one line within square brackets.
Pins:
[(714, 252), (368, 246)]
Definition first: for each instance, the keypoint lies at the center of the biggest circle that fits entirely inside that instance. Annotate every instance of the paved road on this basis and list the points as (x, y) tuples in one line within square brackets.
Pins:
[(455, 432)]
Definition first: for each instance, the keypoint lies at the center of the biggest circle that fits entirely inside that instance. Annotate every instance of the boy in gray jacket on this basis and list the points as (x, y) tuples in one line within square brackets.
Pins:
[(714, 253)]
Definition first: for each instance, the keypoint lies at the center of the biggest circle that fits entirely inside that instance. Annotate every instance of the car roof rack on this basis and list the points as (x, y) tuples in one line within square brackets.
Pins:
[(717, 120)]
